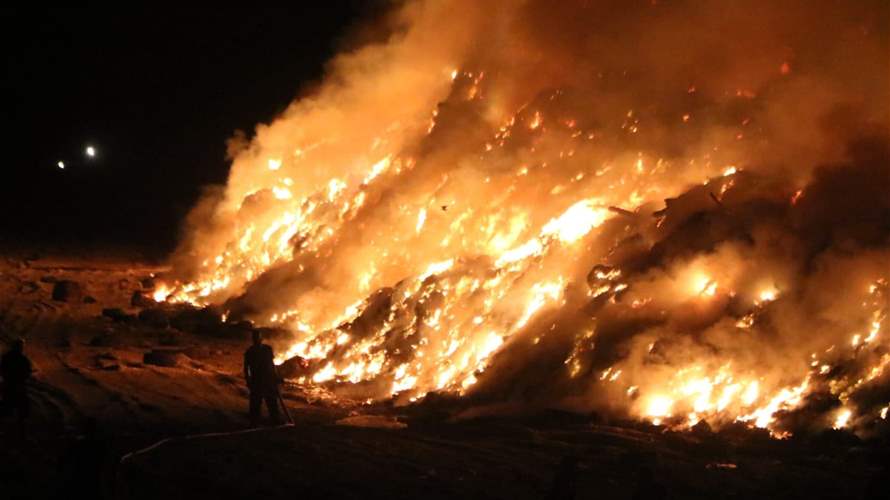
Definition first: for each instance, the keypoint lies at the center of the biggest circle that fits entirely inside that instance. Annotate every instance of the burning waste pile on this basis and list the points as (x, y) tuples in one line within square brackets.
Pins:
[(674, 212)]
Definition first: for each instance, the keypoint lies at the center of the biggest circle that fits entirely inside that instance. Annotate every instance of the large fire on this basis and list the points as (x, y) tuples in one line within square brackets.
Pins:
[(553, 225)]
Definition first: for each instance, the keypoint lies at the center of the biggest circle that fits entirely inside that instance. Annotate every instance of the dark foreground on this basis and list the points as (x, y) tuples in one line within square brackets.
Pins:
[(91, 366)]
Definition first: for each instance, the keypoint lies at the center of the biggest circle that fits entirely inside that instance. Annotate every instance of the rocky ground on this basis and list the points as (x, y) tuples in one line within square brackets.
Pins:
[(104, 351)]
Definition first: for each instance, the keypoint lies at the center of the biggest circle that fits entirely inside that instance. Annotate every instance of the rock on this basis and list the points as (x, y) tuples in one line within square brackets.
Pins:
[(28, 287), (294, 367), (170, 338), (206, 321), (166, 359), (107, 361), (117, 314), (154, 317), (67, 291), (104, 340), (89, 299), (702, 429), (138, 299)]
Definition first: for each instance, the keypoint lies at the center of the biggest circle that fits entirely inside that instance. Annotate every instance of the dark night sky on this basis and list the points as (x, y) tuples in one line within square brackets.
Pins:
[(157, 92)]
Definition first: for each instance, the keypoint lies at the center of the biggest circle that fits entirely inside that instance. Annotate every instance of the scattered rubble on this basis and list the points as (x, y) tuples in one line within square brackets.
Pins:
[(108, 362), (138, 299), (154, 317), (67, 291), (117, 314)]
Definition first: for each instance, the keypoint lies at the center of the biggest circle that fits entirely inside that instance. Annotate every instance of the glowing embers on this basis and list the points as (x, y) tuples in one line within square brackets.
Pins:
[(693, 394), (541, 294), (161, 293), (768, 294), (842, 419), (659, 407), (703, 285), (577, 221)]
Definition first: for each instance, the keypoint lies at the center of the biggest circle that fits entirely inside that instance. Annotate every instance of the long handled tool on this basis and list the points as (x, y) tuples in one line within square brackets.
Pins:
[(280, 397), (284, 407)]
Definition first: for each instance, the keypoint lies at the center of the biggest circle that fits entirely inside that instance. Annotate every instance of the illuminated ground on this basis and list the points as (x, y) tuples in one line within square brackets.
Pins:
[(90, 365)]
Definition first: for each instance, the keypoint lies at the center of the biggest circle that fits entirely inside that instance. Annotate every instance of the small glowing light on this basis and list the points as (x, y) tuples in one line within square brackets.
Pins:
[(91, 151), (274, 164), (421, 220), (161, 294), (659, 406), (61, 165), (704, 285), (768, 295), (842, 419)]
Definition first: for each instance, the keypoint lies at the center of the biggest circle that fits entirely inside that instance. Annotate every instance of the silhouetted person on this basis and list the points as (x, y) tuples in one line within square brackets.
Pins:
[(84, 468), (262, 379), (565, 480), (647, 487), (15, 368)]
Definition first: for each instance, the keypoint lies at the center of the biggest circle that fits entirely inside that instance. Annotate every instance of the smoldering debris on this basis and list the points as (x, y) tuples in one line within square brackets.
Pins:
[(674, 212)]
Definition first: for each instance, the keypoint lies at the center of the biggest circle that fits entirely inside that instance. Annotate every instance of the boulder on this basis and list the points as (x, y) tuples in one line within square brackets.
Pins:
[(206, 321), (138, 299), (163, 358), (117, 314), (108, 362), (67, 291), (154, 317), (294, 367)]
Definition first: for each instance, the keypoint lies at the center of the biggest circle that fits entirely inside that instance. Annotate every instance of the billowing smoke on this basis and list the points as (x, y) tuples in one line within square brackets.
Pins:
[(675, 211)]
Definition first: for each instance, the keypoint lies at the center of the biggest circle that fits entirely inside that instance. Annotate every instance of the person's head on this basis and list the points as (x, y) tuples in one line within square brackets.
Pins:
[(18, 345), (257, 337)]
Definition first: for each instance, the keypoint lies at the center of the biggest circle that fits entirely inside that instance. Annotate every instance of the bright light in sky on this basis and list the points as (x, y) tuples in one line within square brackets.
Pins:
[(91, 151), (61, 165)]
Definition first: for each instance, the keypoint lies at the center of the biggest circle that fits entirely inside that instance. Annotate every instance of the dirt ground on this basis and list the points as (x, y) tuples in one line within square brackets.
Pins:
[(90, 365)]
